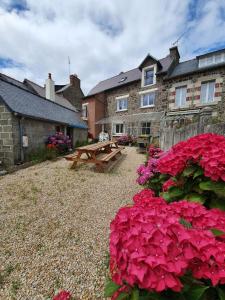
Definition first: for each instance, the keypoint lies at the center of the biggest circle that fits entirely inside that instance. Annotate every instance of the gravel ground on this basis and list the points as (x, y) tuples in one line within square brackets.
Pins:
[(54, 227)]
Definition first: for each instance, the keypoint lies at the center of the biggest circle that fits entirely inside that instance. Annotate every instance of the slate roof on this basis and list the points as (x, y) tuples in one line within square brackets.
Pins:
[(25, 103), (41, 92), (185, 67), (130, 76)]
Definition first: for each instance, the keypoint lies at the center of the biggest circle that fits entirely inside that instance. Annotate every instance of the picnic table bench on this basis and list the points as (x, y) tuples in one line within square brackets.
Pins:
[(94, 154)]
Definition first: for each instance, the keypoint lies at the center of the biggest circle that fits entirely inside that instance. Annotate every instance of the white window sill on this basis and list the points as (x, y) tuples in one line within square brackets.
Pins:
[(84, 118), (118, 134), (207, 104), (121, 110), (147, 85), (147, 106)]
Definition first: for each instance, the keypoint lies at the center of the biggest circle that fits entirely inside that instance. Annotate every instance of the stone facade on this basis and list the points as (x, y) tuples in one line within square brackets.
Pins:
[(6, 135)]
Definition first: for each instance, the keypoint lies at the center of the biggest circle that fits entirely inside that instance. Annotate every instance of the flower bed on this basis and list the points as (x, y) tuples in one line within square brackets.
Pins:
[(170, 243), (126, 140)]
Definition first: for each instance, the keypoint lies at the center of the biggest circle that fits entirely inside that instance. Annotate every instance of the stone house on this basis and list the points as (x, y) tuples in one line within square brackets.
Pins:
[(128, 102), (30, 113), (158, 95)]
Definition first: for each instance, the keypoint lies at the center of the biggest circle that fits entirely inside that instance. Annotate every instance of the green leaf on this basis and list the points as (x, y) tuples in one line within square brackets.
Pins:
[(217, 203), (110, 288), (185, 223), (135, 294), (217, 187), (189, 171), (166, 196), (221, 294), (123, 296), (195, 293), (195, 198), (197, 173), (175, 192), (217, 232)]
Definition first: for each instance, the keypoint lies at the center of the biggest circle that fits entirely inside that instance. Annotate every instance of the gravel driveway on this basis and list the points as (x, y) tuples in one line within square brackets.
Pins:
[(54, 226)]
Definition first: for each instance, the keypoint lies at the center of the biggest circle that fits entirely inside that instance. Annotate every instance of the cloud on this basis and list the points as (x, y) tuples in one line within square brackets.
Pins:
[(102, 38)]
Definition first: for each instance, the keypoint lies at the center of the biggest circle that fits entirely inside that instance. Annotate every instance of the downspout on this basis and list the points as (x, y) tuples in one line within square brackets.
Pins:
[(21, 139)]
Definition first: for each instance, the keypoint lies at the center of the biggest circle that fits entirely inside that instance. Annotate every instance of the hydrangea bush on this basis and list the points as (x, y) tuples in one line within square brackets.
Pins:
[(59, 142), (126, 140), (193, 170), (170, 243)]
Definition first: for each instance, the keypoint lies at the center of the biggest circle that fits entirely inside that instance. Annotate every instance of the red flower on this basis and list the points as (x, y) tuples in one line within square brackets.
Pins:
[(167, 184), (207, 150), (63, 295)]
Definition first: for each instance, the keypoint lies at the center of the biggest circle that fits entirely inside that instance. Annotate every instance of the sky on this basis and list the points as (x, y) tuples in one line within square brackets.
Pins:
[(102, 37)]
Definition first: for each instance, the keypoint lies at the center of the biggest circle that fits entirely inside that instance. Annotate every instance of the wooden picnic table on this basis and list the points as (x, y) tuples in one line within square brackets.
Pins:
[(92, 152)]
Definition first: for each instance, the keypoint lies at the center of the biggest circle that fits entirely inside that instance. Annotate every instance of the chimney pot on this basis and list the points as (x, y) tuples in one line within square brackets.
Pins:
[(49, 75)]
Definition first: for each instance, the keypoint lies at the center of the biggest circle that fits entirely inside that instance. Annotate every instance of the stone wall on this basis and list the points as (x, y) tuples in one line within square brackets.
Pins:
[(167, 94), (79, 135), (6, 137), (74, 95)]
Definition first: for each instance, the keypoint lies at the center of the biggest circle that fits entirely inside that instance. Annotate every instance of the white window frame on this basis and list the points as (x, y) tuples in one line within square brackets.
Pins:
[(154, 67), (202, 62), (118, 99), (114, 129), (207, 92), (185, 102), (145, 127), (85, 106), (142, 93)]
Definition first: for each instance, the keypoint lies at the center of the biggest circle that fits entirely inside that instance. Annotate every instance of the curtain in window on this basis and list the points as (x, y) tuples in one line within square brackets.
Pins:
[(207, 91), (181, 94)]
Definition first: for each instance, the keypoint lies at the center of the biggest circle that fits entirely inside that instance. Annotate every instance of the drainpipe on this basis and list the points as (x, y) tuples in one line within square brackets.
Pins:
[(21, 139)]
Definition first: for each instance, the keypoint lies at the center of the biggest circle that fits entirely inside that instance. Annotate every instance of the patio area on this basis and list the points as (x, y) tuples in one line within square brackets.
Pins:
[(55, 225)]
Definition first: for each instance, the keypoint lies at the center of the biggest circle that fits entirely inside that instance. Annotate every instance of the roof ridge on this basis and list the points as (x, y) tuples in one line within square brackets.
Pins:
[(37, 95), (10, 77), (34, 83)]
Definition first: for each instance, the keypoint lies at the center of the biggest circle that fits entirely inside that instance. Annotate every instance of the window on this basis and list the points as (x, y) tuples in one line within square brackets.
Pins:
[(118, 129), (207, 91), (122, 104), (181, 96), (145, 128), (149, 76), (148, 99), (84, 111), (211, 59)]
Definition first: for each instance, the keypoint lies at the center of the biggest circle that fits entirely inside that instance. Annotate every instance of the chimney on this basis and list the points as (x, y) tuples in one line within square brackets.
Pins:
[(50, 88), (74, 81), (174, 53)]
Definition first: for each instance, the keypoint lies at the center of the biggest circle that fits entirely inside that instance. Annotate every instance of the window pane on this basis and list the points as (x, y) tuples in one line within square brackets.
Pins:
[(181, 93), (209, 60), (122, 104), (203, 92), (149, 76), (218, 58), (145, 100), (211, 86)]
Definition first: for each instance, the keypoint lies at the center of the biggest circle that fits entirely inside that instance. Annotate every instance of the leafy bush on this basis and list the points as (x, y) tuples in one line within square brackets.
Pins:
[(126, 140), (60, 142), (170, 243), (42, 154)]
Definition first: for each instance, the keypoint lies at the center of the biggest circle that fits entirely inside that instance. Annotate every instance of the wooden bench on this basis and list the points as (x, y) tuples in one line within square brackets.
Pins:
[(71, 157), (99, 154), (112, 155)]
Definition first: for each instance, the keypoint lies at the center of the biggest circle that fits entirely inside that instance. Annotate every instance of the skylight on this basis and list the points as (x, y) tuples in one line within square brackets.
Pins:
[(122, 79)]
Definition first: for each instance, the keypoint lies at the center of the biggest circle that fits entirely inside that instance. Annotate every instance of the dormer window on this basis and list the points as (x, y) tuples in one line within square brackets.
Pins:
[(212, 59), (148, 76)]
